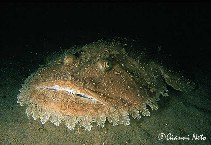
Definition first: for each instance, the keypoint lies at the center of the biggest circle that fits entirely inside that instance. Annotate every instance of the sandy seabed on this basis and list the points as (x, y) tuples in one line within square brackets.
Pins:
[(180, 119)]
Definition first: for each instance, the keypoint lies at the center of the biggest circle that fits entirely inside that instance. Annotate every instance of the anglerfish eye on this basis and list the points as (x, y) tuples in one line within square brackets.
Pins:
[(69, 59), (104, 65)]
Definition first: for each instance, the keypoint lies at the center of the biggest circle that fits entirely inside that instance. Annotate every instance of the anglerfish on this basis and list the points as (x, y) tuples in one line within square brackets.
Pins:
[(96, 83)]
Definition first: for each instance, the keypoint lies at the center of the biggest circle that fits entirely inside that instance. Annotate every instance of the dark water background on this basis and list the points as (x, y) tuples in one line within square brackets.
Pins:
[(180, 29)]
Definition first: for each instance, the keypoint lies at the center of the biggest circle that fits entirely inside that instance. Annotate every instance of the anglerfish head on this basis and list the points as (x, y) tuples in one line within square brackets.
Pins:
[(96, 82)]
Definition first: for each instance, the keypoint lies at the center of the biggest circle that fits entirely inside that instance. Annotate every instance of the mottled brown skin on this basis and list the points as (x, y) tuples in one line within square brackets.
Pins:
[(105, 72), (113, 87)]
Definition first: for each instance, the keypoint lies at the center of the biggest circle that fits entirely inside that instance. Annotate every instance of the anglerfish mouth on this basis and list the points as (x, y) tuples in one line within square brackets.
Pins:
[(74, 92)]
